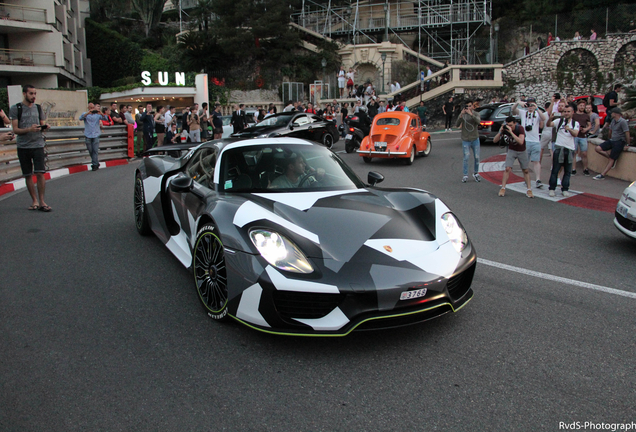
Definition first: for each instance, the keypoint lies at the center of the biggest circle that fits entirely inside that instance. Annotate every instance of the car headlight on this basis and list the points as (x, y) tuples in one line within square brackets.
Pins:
[(455, 232), (263, 136), (280, 251)]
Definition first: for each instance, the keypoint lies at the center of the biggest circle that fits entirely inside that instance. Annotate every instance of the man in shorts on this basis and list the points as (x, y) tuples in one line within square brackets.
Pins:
[(217, 122), (617, 142), (583, 119), (514, 137), (531, 120), (28, 126)]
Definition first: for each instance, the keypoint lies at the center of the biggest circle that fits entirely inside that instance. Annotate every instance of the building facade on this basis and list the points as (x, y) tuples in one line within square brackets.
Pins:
[(43, 42)]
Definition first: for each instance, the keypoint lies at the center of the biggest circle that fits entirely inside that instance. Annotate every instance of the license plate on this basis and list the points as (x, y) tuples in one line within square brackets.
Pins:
[(348, 137), (622, 210), (407, 295), (380, 145)]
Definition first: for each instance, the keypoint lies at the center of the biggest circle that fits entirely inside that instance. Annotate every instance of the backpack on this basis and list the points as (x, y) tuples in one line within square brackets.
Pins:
[(19, 107)]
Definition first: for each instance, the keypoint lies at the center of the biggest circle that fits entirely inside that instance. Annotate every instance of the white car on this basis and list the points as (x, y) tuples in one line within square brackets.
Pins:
[(625, 216)]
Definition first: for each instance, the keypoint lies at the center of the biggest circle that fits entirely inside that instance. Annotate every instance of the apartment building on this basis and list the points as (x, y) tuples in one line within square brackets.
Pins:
[(43, 42)]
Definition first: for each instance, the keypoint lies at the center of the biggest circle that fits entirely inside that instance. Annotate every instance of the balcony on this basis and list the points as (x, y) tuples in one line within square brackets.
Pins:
[(26, 58), (13, 12)]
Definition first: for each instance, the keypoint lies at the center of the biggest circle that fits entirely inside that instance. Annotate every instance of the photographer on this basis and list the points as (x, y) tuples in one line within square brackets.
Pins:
[(532, 120), (566, 130), (468, 121), (514, 136), (92, 131)]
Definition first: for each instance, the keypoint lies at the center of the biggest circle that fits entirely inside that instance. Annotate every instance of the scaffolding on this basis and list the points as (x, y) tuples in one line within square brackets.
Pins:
[(445, 29)]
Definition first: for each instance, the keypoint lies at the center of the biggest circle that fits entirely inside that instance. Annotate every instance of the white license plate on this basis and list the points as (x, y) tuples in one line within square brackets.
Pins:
[(622, 210), (380, 144), (348, 137), (407, 295)]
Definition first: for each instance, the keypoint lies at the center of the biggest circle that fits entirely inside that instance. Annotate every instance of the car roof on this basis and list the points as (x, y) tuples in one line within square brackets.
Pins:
[(395, 114)]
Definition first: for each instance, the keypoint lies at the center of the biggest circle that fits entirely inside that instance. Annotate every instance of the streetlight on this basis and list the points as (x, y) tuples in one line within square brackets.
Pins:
[(323, 62), (383, 56), (496, 41)]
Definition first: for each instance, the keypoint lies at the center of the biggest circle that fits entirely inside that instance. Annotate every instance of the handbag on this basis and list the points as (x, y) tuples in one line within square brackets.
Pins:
[(350, 82)]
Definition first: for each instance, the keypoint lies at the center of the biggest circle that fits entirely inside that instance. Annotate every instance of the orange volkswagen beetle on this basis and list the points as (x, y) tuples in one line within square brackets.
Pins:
[(396, 134)]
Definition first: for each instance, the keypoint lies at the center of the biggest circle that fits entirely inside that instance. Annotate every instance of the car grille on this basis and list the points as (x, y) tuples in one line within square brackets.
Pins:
[(625, 223), (389, 139), (459, 284), (290, 304)]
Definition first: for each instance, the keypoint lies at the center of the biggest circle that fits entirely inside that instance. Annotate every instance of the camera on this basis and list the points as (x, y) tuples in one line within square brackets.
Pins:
[(528, 128)]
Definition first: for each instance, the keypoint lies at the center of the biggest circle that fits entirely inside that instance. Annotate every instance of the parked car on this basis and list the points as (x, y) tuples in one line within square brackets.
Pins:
[(598, 101), (492, 117), (625, 215), (396, 134), (297, 125), (323, 255)]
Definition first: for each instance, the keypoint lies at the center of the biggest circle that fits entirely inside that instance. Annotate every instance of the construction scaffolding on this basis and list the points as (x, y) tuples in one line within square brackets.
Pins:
[(440, 29)]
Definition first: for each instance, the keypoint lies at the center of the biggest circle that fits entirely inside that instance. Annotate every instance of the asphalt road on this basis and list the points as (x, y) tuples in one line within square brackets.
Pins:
[(101, 329)]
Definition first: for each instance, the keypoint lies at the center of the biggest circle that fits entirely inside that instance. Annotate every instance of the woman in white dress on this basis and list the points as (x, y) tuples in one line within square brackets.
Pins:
[(341, 81)]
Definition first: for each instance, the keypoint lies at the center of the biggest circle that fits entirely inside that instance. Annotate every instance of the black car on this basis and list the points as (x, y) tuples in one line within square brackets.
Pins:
[(292, 124), (492, 117)]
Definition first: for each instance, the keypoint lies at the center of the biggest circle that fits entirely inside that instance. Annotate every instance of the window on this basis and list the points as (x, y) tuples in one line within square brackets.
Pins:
[(388, 121), (301, 120), (201, 166)]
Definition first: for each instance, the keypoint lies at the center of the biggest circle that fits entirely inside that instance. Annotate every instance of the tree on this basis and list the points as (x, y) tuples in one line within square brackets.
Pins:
[(150, 12)]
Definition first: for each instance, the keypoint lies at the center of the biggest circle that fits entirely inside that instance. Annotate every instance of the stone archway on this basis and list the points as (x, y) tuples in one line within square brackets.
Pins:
[(368, 72), (625, 60), (577, 71)]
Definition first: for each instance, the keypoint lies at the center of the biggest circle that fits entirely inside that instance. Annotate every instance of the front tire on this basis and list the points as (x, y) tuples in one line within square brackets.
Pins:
[(429, 146), (141, 214), (210, 273)]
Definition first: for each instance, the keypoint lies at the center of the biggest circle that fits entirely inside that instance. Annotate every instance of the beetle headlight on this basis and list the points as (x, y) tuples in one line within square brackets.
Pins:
[(455, 232), (280, 252)]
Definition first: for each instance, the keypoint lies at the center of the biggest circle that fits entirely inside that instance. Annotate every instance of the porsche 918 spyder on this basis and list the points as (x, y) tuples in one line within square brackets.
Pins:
[(281, 235)]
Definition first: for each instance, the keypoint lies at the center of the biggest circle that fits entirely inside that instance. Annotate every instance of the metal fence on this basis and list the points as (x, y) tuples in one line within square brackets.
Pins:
[(65, 146), (294, 91)]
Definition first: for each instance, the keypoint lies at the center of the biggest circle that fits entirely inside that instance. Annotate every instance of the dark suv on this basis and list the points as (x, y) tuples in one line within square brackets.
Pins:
[(492, 117)]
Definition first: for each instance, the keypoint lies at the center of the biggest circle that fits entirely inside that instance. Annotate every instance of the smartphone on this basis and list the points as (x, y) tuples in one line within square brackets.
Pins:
[(42, 127)]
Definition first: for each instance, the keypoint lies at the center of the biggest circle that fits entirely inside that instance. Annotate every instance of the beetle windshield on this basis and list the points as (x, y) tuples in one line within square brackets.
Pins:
[(388, 121)]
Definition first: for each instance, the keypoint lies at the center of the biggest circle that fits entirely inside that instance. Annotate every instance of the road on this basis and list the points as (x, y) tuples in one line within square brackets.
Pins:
[(101, 329)]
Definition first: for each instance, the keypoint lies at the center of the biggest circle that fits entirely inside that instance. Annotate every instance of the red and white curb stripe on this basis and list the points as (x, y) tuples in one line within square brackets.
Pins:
[(15, 185), (492, 169)]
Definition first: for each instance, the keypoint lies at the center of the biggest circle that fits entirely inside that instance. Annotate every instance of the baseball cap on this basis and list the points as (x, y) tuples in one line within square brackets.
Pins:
[(617, 110)]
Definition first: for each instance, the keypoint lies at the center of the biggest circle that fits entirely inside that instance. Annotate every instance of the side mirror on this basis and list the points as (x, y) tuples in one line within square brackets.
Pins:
[(181, 184), (374, 178)]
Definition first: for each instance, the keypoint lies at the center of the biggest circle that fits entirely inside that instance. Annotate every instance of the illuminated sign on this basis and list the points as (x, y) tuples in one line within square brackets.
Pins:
[(162, 78)]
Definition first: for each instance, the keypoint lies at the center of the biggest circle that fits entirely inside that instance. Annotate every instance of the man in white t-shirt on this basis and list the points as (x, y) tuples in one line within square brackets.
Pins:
[(564, 149), (555, 107), (531, 120)]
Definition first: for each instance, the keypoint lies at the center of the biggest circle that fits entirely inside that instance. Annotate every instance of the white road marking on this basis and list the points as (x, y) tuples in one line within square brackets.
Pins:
[(557, 278)]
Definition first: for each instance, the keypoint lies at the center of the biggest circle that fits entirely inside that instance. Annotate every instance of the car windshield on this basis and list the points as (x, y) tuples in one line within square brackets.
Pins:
[(485, 113), (226, 120), (284, 168), (390, 121), (275, 120)]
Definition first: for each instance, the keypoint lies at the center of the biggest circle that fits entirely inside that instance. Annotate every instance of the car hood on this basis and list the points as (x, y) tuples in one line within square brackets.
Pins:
[(336, 225)]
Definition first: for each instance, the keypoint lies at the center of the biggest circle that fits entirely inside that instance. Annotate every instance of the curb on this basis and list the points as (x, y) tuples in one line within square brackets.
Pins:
[(18, 184), (492, 169)]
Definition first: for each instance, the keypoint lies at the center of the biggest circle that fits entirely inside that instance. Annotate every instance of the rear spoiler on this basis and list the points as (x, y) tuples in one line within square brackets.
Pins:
[(173, 150)]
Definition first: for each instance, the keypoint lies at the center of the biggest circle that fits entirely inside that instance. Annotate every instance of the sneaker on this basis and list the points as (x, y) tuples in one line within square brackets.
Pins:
[(502, 192), (538, 184), (552, 193), (464, 179), (477, 177), (529, 193), (567, 194), (599, 177), (573, 172), (586, 172)]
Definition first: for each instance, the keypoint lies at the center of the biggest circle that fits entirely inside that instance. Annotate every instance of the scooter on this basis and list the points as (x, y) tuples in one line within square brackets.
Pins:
[(355, 133)]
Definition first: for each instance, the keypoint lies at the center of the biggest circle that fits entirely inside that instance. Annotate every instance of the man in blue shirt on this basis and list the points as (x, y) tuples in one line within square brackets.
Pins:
[(92, 132)]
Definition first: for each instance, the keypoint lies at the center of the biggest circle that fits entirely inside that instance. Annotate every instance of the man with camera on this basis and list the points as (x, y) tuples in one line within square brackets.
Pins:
[(514, 136), (564, 149), (531, 120), (468, 121), (583, 119), (92, 131), (28, 121)]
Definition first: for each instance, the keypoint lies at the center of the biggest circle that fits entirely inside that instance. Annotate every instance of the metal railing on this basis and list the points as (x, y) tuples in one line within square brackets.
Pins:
[(65, 146), (26, 58), (21, 13)]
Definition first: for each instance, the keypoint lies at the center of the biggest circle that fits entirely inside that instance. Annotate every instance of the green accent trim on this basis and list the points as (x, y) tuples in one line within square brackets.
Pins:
[(354, 327), (194, 272)]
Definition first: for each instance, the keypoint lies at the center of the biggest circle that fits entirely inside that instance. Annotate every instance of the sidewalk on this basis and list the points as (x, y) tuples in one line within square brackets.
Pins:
[(586, 192)]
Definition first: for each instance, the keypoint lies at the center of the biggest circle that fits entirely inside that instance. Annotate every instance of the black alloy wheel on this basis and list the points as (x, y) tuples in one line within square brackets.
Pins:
[(210, 273), (327, 140), (141, 215)]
